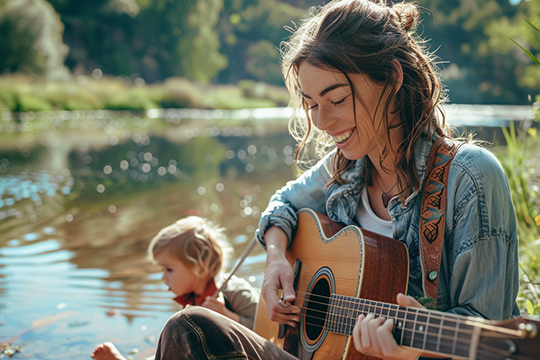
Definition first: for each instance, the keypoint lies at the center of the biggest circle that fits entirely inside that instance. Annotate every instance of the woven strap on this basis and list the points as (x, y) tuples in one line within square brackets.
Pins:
[(432, 217)]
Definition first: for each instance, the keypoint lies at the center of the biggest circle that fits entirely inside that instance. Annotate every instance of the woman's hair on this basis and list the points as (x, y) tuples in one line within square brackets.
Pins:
[(195, 241), (367, 37)]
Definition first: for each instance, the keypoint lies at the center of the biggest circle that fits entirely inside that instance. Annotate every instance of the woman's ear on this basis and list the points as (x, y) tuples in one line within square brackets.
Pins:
[(398, 74)]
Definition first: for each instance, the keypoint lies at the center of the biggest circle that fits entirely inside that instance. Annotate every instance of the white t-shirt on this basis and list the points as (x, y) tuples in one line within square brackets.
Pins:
[(368, 220)]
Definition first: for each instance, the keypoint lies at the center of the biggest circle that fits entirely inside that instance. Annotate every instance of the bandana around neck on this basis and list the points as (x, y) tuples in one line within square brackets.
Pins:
[(194, 299)]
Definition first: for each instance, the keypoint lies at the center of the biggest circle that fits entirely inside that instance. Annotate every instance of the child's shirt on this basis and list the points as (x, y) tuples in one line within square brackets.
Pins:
[(240, 297)]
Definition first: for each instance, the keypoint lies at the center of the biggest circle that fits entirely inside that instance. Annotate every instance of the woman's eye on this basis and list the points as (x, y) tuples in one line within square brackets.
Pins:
[(340, 101), (311, 107)]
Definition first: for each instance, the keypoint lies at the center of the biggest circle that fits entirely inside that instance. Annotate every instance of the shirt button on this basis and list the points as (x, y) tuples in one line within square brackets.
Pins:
[(433, 275)]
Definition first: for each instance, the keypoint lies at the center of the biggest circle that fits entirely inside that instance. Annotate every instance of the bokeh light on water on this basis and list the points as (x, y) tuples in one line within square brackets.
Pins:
[(82, 194)]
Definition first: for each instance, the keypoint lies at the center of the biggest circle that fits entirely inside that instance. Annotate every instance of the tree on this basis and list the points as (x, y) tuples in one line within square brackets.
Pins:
[(251, 32), (480, 63), (31, 40)]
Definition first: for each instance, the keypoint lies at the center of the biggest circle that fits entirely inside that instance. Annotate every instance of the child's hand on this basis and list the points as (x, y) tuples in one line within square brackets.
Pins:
[(215, 303), (218, 305)]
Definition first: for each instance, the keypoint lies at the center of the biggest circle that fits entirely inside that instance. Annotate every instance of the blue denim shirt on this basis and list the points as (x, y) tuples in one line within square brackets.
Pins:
[(479, 273)]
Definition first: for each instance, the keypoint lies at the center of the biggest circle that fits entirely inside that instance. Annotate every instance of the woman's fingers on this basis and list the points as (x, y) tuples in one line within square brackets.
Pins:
[(373, 328), (389, 347), (279, 275), (365, 334), (373, 337)]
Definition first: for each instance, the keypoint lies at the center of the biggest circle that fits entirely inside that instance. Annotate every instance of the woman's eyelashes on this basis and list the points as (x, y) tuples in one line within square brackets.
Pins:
[(335, 103), (339, 101)]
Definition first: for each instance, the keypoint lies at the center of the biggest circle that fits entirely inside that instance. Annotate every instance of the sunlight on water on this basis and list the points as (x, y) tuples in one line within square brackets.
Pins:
[(77, 214)]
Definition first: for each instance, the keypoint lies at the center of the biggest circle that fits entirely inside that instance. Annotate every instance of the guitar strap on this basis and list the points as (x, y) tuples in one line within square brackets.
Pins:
[(432, 216)]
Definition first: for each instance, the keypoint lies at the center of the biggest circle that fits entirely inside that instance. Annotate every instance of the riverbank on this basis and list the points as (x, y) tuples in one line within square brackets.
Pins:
[(23, 93)]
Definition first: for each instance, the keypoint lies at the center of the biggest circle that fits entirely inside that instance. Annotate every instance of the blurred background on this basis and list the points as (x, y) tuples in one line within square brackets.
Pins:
[(118, 117)]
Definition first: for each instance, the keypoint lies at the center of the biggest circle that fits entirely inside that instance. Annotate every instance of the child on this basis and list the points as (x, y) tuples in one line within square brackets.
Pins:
[(191, 258)]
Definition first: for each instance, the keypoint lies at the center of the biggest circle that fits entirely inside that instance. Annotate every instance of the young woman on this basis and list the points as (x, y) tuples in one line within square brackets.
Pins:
[(372, 92)]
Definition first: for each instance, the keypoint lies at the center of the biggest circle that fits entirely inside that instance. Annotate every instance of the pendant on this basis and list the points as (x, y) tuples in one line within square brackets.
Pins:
[(385, 199)]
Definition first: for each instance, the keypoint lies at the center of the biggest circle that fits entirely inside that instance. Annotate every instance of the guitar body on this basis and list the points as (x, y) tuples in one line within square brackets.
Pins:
[(335, 260)]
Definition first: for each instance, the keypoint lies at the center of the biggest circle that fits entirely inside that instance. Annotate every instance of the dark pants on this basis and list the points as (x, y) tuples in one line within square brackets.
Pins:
[(199, 334)]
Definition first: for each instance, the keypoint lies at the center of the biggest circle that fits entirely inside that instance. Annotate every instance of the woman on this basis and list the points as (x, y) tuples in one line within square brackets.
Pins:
[(369, 87)]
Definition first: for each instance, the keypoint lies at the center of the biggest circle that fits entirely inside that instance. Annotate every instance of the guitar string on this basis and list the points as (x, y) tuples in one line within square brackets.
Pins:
[(428, 340), (434, 314), (423, 333), (329, 323), (432, 344)]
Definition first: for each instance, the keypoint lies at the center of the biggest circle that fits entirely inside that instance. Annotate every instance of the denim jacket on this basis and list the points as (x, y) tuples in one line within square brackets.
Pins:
[(479, 273)]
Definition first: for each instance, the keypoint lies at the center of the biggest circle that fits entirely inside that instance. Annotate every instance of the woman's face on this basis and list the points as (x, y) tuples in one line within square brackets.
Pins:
[(330, 101)]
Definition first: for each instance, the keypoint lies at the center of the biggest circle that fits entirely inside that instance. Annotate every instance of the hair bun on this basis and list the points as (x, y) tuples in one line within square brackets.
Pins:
[(407, 15)]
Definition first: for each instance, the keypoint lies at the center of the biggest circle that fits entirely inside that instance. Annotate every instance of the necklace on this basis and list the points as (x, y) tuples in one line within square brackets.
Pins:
[(385, 197)]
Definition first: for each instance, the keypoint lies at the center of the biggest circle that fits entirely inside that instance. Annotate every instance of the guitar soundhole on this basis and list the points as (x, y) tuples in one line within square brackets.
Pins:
[(316, 309)]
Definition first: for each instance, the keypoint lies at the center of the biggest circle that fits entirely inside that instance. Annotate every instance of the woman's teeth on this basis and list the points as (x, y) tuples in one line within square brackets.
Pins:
[(342, 137)]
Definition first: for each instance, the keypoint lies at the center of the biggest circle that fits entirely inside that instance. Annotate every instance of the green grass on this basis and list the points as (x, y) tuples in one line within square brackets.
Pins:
[(520, 163), (23, 93)]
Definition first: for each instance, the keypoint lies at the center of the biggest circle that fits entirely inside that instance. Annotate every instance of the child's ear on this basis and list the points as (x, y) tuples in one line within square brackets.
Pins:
[(200, 272)]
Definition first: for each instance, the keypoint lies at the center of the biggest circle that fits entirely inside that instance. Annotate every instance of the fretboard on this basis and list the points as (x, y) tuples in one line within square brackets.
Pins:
[(414, 327)]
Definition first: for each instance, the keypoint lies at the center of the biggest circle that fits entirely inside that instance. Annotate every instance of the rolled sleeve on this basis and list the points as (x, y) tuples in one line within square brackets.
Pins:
[(309, 190)]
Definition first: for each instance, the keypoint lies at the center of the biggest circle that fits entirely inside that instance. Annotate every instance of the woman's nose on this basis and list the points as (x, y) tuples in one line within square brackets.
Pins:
[(321, 119)]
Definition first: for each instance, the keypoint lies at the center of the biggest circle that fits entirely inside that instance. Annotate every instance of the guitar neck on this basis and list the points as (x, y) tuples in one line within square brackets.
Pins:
[(430, 331)]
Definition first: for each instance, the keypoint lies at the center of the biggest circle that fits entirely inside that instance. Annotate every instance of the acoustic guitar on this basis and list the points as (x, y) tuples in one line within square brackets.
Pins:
[(342, 272)]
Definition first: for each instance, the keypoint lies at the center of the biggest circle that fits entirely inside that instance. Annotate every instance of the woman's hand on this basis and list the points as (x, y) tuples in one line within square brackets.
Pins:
[(373, 336), (279, 276)]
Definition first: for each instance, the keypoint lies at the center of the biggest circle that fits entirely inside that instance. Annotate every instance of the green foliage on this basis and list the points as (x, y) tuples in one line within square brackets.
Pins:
[(200, 54), (483, 65), (518, 161), (251, 32), (31, 40)]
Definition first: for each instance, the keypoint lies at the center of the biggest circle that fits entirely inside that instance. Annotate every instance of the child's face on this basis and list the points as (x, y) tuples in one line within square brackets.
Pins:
[(178, 277)]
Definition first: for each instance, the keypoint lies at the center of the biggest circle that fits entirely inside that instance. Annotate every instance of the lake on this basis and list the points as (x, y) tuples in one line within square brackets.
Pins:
[(82, 194)]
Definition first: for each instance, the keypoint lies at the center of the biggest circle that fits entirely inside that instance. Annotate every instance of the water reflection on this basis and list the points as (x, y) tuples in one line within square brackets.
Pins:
[(80, 200)]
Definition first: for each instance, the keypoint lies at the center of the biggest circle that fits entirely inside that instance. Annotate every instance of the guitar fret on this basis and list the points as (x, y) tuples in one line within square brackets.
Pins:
[(340, 312), (350, 319), (432, 336), (331, 316), (464, 337), (400, 325), (408, 327), (426, 331), (455, 338), (420, 323)]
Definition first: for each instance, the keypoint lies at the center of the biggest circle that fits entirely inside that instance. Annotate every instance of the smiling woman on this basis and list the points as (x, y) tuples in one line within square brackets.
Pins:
[(369, 87)]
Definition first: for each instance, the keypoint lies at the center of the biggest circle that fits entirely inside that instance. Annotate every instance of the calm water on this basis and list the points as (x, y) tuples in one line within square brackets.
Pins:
[(82, 194)]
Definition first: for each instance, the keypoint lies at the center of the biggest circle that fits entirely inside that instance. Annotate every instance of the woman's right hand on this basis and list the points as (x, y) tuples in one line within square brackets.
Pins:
[(279, 276)]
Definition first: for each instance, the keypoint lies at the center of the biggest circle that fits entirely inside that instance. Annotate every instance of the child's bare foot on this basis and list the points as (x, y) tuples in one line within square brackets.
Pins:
[(107, 351)]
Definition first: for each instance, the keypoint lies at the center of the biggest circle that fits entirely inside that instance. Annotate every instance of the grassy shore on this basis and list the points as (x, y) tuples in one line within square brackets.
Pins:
[(21, 93)]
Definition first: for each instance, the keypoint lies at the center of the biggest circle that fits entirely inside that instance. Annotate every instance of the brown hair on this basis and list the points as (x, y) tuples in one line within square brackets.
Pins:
[(194, 241), (367, 37)]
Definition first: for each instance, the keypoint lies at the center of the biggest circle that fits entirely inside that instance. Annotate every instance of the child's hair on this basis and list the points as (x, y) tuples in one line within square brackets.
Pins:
[(195, 241)]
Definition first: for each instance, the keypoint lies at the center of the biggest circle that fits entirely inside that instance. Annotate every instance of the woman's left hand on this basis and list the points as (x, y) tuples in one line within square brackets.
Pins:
[(373, 336)]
